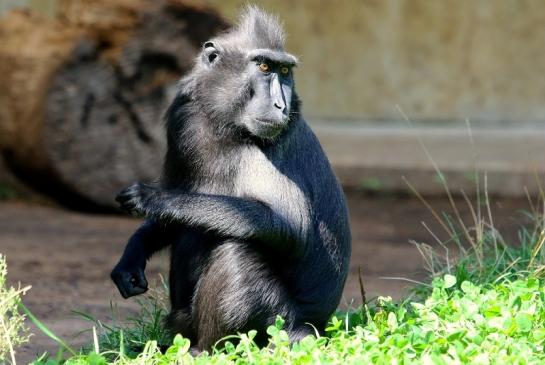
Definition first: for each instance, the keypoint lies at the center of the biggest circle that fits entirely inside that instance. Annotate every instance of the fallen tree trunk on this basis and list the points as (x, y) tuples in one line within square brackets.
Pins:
[(83, 94)]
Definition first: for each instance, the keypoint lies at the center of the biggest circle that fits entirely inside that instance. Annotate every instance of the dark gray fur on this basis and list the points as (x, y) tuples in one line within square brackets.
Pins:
[(256, 218)]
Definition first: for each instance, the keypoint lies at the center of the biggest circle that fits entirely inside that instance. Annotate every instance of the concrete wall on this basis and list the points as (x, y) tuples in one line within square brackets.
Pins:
[(46, 7), (436, 59)]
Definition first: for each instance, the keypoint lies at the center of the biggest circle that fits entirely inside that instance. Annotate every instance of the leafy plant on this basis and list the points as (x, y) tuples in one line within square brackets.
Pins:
[(458, 323), (13, 331)]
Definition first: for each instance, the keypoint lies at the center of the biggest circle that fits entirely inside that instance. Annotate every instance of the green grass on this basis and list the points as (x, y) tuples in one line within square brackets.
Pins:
[(485, 305), (13, 331), (476, 251), (501, 323), (7, 192), (133, 333)]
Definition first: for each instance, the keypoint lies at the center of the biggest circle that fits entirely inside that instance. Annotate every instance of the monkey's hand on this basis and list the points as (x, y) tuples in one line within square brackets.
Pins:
[(136, 198), (130, 281)]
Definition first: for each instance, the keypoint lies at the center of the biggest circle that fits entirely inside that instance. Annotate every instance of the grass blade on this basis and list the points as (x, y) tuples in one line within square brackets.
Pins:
[(42, 327)]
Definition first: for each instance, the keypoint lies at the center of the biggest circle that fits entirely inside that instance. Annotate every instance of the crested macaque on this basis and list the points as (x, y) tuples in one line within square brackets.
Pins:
[(256, 219)]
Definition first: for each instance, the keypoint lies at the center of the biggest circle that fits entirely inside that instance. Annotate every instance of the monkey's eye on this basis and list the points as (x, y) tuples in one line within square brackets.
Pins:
[(285, 70), (264, 67)]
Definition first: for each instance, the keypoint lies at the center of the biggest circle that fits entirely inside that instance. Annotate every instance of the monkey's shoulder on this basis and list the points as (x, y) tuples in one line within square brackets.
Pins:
[(291, 162), (293, 177)]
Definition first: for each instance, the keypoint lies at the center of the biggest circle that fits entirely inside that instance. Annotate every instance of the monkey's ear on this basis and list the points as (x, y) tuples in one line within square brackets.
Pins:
[(210, 53)]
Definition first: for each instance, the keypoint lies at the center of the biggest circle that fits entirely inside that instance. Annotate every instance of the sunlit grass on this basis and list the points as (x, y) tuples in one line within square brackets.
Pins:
[(459, 323), (13, 331)]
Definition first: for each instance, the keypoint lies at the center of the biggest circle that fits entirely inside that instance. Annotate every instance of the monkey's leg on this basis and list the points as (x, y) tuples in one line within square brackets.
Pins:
[(128, 275), (238, 292), (226, 216), (189, 256)]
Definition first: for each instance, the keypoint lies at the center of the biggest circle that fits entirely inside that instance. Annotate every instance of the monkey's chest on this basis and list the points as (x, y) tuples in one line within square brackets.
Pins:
[(258, 178)]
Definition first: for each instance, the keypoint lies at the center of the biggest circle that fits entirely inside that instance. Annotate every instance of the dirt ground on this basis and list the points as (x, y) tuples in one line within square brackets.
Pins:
[(67, 256)]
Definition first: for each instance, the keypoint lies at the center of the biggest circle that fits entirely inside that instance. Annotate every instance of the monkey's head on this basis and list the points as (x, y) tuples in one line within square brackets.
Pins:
[(244, 78)]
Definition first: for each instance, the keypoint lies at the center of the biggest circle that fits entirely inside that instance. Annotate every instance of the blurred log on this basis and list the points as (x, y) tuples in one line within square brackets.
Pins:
[(83, 94), (12, 188)]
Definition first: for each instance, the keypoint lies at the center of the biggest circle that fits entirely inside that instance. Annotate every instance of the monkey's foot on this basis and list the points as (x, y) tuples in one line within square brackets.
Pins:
[(194, 351)]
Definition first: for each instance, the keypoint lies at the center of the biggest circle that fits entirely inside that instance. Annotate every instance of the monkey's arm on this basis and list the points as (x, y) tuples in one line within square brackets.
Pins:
[(224, 215), (128, 275)]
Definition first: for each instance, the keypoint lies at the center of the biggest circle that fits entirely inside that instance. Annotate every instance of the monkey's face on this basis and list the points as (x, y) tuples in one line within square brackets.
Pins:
[(267, 112), (251, 91)]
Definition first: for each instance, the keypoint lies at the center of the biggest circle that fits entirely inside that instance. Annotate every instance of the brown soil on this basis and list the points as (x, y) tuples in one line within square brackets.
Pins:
[(67, 256)]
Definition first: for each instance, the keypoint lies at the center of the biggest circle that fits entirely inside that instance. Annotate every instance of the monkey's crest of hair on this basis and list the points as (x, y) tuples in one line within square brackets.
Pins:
[(256, 29)]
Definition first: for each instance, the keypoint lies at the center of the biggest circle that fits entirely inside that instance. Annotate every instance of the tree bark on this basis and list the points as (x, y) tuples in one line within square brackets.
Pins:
[(83, 94)]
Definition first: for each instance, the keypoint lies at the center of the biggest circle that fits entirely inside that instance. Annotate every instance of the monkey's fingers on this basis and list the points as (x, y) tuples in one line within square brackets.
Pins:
[(131, 199), (130, 205), (127, 197), (130, 283)]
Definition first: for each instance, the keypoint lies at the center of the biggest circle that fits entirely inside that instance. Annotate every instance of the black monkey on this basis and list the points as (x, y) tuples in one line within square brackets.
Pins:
[(256, 218)]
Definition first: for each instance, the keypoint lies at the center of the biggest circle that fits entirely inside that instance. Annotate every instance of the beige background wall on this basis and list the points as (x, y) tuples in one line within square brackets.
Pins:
[(436, 59)]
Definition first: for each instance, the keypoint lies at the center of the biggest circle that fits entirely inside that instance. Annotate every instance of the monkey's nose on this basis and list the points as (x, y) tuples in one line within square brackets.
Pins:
[(279, 103)]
